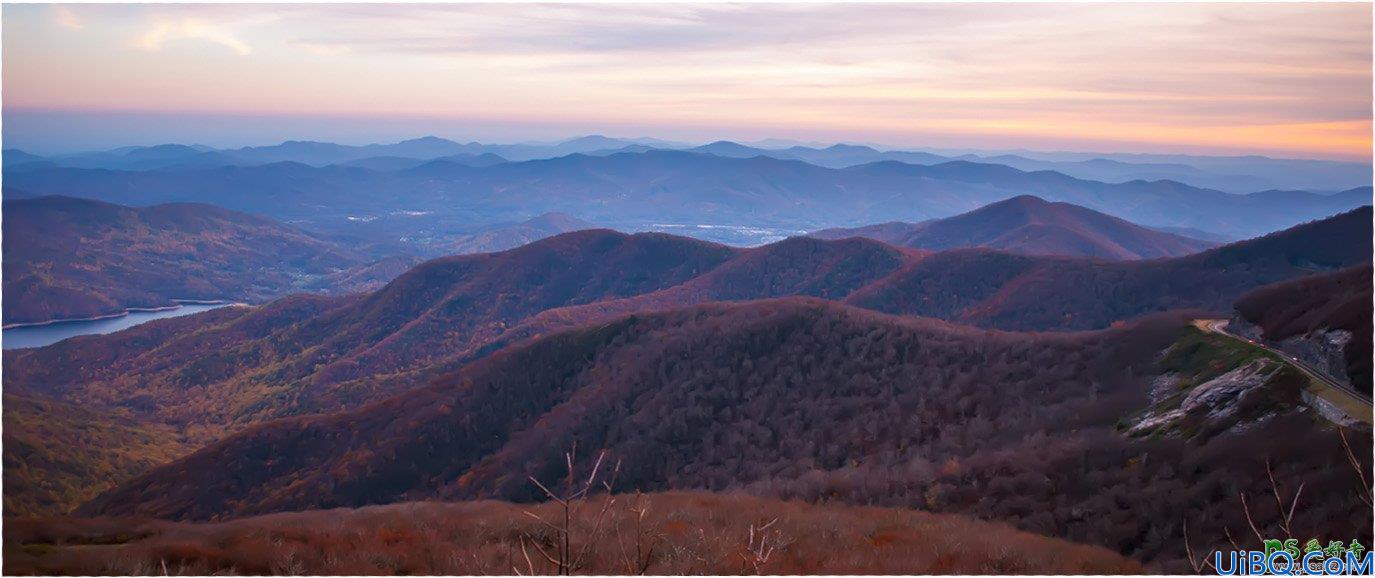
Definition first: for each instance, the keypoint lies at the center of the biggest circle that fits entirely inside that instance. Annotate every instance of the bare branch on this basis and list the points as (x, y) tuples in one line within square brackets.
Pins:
[(543, 521), (1279, 501), (528, 563), (542, 552), (1365, 494), (1289, 518), (596, 466), (1246, 508), (1228, 532), (546, 491), (1198, 564)]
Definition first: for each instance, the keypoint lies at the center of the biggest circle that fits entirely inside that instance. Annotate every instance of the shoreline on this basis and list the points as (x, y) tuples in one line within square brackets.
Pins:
[(177, 304)]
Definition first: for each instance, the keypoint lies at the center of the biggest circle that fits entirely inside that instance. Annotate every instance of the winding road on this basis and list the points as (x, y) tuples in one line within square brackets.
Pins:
[(1354, 404)]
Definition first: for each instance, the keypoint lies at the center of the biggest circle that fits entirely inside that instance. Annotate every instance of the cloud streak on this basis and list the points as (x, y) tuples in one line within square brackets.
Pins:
[(189, 29)]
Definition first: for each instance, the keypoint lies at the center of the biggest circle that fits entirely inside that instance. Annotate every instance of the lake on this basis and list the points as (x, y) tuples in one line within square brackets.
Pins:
[(40, 335)]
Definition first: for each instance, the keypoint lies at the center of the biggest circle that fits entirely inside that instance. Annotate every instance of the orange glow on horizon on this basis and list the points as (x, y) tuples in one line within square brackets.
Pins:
[(1239, 78)]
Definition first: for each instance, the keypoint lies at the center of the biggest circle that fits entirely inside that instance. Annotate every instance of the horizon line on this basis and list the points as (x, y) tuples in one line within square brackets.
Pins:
[(687, 144)]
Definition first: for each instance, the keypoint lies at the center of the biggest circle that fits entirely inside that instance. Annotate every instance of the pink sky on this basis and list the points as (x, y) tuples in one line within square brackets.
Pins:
[(1278, 79)]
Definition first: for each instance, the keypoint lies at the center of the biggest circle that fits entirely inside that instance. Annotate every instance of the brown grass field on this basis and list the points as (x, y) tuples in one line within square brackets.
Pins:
[(664, 533)]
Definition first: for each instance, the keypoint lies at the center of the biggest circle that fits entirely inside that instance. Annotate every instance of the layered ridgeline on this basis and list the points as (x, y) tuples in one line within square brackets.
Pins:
[(223, 371), (795, 398), (656, 187), (1033, 226), (334, 352), (71, 258), (1231, 174)]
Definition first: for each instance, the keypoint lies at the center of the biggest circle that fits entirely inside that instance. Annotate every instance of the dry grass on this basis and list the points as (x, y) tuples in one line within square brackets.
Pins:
[(668, 533)]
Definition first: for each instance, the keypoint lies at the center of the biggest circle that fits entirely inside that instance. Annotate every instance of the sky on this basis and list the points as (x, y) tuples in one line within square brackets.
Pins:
[(1289, 80)]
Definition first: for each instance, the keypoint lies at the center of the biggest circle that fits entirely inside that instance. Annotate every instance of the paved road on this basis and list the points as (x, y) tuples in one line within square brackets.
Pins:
[(1355, 404)]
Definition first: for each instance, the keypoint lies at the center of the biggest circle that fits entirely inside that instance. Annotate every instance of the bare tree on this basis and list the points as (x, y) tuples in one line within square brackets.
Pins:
[(565, 558)]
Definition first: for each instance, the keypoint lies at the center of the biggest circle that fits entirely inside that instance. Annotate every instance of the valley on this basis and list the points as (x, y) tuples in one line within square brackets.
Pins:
[(71, 258)]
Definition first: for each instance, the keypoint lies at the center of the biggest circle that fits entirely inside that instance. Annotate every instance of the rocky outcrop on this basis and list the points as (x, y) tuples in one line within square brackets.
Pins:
[(1323, 349), (1243, 395)]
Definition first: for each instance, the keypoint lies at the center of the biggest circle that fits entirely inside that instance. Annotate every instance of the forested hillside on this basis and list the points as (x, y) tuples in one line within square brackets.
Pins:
[(1339, 301), (68, 258), (221, 372), (794, 397), (59, 455), (337, 353)]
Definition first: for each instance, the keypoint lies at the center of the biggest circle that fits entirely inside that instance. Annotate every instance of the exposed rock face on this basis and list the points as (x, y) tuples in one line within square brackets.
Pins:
[(1323, 348), (1241, 395)]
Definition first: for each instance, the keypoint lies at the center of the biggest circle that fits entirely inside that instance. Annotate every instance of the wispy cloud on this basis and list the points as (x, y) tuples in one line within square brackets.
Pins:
[(189, 29), (65, 17)]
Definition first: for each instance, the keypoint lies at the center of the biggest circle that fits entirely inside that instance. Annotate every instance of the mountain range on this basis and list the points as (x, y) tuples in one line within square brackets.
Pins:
[(1231, 174), (430, 320), (792, 398), (395, 156), (444, 312), (848, 369), (1030, 225), (313, 354), (430, 203)]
